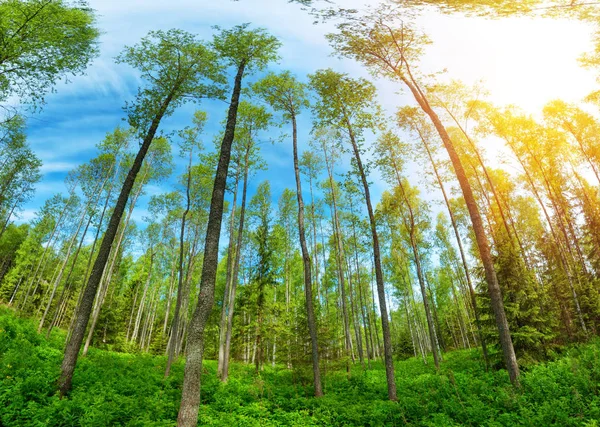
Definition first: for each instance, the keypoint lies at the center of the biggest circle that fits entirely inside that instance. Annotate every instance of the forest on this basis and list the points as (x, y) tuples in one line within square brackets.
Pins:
[(434, 263)]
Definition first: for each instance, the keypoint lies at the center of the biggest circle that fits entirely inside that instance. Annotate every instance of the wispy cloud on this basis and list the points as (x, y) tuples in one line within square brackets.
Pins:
[(50, 167)]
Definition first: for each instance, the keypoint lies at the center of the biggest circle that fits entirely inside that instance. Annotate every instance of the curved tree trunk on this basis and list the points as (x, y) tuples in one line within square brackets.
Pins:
[(190, 397), (89, 293)]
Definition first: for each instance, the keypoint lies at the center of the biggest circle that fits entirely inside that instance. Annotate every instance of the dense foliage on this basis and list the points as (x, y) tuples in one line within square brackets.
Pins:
[(130, 389)]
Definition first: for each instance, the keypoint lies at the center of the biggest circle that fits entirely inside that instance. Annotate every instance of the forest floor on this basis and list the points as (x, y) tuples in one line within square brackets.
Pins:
[(129, 389)]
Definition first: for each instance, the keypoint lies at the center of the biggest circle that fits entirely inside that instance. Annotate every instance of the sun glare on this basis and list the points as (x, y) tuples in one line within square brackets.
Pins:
[(522, 61)]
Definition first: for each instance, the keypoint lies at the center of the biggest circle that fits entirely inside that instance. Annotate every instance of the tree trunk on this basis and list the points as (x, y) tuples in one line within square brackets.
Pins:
[(46, 249), (235, 273), (310, 313), (190, 397), (409, 223), (89, 293), (228, 277), (62, 269), (108, 273), (340, 258), (169, 296), (177, 314), (387, 341)]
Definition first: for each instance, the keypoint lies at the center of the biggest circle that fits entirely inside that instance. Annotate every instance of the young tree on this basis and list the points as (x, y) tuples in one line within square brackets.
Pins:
[(410, 118), (260, 208), (392, 153), (247, 51), (252, 120), (190, 141), (179, 68), (329, 139), (288, 96)]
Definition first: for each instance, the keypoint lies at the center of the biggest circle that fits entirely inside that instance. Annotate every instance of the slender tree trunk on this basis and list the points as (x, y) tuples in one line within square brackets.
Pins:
[(62, 269), (410, 328), (66, 289), (138, 317), (43, 257), (10, 214), (235, 273), (409, 223), (438, 330), (229, 268), (354, 316), (387, 341), (133, 305), (109, 271), (339, 257), (169, 297), (561, 252), (314, 233), (310, 313), (177, 314)]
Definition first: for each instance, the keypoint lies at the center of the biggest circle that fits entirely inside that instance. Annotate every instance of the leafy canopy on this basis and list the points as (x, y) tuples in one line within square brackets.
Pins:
[(177, 68), (283, 92), (344, 102), (383, 39), (252, 49), (42, 41)]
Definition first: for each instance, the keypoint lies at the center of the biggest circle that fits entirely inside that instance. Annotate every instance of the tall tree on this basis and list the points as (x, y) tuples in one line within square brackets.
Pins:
[(247, 51), (263, 275), (387, 44), (392, 153), (410, 118), (288, 96), (349, 105), (190, 141), (252, 119)]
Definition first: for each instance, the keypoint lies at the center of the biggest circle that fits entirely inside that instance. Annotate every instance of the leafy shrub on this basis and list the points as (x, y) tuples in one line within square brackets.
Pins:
[(111, 388)]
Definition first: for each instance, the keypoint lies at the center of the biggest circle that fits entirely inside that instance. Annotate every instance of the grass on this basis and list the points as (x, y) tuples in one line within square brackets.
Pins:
[(112, 388)]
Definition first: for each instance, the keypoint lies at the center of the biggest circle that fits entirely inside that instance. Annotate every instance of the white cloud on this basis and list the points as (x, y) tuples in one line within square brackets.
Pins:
[(50, 167), (24, 216)]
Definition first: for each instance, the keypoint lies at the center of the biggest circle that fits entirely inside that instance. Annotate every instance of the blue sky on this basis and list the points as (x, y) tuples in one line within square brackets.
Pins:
[(522, 61)]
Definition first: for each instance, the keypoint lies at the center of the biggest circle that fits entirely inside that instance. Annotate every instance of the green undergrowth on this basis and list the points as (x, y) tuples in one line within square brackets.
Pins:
[(129, 389)]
